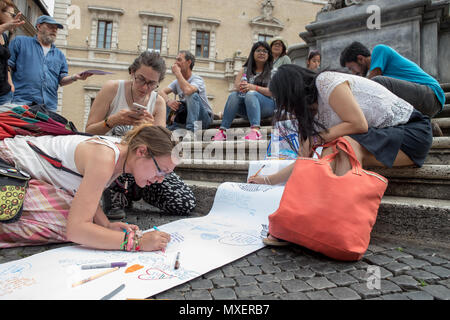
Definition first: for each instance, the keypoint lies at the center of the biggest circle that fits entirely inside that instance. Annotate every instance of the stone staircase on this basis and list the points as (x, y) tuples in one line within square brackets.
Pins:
[(416, 204)]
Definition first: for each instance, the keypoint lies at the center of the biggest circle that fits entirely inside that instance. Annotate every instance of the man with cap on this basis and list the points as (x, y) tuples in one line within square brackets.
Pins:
[(38, 67)]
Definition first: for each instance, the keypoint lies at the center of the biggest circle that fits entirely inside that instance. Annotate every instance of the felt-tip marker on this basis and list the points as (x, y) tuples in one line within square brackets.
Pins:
[(177, 261), (104, 265)]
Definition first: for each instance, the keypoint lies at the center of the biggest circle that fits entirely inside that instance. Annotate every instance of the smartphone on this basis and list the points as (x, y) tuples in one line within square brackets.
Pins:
[(139, 108)]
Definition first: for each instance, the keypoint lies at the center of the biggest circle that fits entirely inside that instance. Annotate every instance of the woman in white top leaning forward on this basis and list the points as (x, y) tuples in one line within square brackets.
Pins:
[(383, 129), (122, 104), (63, 205)]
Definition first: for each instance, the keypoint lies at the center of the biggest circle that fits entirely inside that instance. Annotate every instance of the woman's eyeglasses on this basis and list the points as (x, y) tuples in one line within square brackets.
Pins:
[(12, 14), (150, 84), (159, 172), (261, 51)]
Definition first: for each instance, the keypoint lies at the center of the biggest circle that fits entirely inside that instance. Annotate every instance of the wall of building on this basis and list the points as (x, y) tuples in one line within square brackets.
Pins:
[(233, 26)]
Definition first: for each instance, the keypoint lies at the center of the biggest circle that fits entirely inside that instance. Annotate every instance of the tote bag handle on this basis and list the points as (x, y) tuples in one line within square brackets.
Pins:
[(343, 145)]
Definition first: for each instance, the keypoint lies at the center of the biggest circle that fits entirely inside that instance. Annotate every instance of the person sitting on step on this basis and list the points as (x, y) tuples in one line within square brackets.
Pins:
[(398, 74), (251, 99), (114, 113), (383, 129)]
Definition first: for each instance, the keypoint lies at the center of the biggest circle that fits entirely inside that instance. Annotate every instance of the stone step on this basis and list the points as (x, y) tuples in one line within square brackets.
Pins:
[(256, 150), (445, 87), (430, 181), (406, 217), (445, 113), (242, 126), (444, 124)]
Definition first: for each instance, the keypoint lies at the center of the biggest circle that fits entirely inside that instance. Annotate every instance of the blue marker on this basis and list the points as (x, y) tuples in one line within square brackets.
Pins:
[(156, 228)]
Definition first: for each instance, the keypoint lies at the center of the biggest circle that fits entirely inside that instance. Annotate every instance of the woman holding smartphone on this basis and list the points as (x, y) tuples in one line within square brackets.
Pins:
[(119, 106)]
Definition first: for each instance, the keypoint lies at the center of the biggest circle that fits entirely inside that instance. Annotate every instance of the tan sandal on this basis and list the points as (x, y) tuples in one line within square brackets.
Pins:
[(274, 242)]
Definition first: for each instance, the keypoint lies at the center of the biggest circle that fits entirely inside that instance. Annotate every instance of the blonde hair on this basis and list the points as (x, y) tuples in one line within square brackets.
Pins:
[(157, 139)]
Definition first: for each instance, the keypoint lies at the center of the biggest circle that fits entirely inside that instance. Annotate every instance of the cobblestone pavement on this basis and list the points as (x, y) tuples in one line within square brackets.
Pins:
[(390, 270)]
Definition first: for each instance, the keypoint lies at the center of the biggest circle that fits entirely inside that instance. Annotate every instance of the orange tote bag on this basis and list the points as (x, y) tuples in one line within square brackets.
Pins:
[(330, 214)]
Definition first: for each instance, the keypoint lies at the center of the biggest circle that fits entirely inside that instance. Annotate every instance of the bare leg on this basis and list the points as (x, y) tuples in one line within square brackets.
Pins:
[(341, 164)]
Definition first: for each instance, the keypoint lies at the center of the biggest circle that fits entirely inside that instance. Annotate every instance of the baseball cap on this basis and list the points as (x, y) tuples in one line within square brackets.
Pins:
[(48, 19)]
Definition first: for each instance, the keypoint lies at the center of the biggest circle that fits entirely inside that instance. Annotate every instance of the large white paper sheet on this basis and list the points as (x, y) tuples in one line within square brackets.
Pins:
[(233, 228)]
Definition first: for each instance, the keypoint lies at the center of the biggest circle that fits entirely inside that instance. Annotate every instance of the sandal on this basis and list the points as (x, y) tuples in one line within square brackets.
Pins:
[(274, 242)]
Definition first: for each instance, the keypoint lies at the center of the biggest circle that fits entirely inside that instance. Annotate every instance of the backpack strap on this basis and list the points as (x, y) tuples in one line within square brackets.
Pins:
[(56, 163)]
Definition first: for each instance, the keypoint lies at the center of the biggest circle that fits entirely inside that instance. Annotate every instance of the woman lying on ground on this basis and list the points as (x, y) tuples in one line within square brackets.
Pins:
[(114, 113), (383, 129), (63, 206)]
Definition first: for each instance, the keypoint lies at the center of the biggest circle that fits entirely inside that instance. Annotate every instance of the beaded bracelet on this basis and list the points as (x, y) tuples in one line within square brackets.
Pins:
[(130, 242), (137, 241), (125, 240)]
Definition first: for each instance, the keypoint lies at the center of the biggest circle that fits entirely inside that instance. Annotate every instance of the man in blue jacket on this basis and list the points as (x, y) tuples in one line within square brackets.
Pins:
[(400, 75), (38, 67)]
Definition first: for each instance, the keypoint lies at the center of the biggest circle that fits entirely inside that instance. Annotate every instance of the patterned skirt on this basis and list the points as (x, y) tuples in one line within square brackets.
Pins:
[(44, 216)]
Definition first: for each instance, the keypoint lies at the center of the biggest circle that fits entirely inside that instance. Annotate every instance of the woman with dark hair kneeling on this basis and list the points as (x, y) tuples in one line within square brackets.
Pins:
[(251, 99), (383, 129), (63, 205)]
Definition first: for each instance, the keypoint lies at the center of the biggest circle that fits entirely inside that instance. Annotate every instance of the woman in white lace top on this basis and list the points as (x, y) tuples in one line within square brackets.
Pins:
[(383, 129)]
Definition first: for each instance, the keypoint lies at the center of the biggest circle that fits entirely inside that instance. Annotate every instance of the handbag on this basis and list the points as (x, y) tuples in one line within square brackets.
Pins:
[(13, 186), (330, 214), (178, 116)]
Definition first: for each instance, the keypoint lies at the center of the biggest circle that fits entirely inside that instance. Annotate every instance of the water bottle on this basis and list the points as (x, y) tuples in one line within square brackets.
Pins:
[(243, 80)]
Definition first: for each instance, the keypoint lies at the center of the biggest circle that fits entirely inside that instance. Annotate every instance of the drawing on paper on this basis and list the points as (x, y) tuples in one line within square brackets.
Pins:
[(232, 229), (8, 286), (254, 187), (240, 239), (209, 236), (176, 237), (155, 274), (15, 270)]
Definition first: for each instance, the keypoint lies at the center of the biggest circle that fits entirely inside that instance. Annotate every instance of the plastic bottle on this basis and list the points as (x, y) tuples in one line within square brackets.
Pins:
[(243, 80)]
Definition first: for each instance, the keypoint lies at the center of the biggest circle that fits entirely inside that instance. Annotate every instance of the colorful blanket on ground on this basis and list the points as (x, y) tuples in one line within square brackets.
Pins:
[(33, 121)]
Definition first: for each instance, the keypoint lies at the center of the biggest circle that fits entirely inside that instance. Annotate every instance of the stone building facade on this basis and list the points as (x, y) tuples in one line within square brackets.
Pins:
[(109, 35)]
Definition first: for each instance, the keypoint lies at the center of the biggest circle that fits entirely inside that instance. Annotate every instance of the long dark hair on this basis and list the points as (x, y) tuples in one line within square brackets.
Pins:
[(294, 91), (263, 79)]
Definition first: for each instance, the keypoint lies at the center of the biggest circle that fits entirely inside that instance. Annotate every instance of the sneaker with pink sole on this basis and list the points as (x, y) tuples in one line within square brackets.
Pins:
[(219, 136), (253, 135)]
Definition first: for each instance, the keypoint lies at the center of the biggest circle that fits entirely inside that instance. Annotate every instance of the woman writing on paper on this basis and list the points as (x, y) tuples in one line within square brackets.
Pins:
[(122, 104), (63, 206), (383, 129)]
